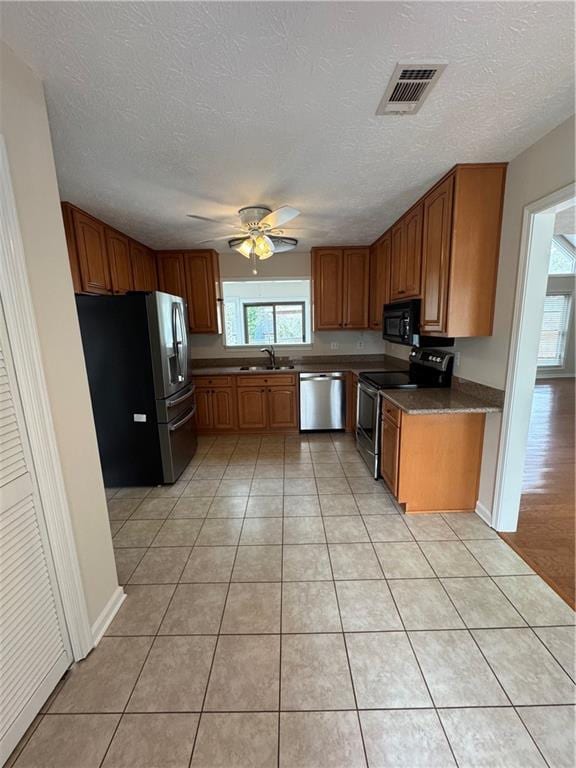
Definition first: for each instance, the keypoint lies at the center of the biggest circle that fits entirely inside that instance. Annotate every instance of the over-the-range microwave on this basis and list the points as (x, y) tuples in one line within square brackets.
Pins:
[(401, 325)]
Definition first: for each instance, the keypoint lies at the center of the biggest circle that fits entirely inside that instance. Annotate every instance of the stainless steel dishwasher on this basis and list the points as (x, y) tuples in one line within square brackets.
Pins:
[(322, 401)]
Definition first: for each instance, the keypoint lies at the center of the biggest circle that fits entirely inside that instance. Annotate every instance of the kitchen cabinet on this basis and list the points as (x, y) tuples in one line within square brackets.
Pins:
[(71, 245), (380, 254), (252, 408), (351, 401), (460, 249), (118, 248), (431, 462), (327, 288), (282, 408), (341, 288), (406, 256), (215, 404), (143, 267), (390, 435), (267, 402), (202, 291), (90, 243), (171, 277)]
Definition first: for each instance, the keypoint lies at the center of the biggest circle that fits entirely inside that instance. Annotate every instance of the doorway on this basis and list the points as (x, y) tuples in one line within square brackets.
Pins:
[(534, 497)]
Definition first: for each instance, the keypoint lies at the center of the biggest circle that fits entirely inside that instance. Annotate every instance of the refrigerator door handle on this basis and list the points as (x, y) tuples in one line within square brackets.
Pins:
[(174, 427), (176, 343), (178, 400)]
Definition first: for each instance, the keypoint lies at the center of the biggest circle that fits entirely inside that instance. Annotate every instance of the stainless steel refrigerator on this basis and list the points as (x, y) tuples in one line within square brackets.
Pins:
[(136, 352)]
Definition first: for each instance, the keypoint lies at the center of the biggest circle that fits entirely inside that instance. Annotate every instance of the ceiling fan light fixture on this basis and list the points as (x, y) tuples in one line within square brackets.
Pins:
[(245, 247), (263, 246)]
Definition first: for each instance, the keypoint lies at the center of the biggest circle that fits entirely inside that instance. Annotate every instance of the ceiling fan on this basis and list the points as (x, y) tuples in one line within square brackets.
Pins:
[(261, 234)]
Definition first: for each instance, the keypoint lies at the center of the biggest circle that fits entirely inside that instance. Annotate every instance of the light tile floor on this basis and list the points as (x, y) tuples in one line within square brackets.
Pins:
[(281, 611)]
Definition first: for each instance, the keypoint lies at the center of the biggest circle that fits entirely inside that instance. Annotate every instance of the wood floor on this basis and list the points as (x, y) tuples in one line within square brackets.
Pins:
[(545, 535)]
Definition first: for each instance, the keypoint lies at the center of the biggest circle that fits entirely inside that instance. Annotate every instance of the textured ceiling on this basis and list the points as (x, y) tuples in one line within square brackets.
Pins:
[(162, 109)]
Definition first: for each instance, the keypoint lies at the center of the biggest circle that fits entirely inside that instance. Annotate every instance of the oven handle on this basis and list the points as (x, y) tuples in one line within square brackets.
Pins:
[(174, 427), (367, 389), (185, 396)]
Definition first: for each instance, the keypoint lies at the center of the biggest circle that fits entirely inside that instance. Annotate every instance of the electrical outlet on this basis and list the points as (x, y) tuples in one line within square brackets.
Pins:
[(360, 344), (334, 345)]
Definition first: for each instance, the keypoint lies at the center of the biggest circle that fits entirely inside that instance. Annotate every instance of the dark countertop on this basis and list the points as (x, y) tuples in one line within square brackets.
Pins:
[(353, 363), (437, 401), (463, 397)]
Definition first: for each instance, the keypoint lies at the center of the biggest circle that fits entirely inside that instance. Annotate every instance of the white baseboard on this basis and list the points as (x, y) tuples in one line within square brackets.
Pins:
[(110, 610), (484, 513)]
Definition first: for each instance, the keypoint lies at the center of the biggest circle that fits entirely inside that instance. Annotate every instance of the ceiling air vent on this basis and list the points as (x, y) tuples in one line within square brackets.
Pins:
[(408, 88)]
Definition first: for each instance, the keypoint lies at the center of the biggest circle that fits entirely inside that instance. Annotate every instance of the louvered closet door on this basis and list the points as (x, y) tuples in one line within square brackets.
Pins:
[(34, 646)]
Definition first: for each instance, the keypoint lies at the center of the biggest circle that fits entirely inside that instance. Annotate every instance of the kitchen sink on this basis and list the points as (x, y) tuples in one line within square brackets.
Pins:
[(267, 368)]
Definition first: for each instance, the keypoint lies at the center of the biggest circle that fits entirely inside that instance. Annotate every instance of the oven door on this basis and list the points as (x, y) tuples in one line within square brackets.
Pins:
[(367, 420)]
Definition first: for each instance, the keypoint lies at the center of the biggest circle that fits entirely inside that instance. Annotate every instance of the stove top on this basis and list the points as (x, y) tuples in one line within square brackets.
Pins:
[(389, 379), (427, 368)]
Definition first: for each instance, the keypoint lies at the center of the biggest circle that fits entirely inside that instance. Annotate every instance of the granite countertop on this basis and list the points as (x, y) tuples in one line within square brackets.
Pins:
[(437, 401), (352, 363)]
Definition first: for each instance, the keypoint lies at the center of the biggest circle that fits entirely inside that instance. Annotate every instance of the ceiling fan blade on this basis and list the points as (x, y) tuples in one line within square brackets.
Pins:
[(220, 237), (280, 216)]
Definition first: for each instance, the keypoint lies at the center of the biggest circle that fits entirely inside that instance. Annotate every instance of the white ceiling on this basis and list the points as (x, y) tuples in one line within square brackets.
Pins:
[(162, 109)]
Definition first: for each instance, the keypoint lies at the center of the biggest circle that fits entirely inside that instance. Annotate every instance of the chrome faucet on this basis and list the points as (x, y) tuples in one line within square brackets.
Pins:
[(271, 354)]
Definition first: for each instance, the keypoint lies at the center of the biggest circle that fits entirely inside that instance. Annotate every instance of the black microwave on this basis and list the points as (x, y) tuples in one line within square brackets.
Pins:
[(401, 322), (401, 325)]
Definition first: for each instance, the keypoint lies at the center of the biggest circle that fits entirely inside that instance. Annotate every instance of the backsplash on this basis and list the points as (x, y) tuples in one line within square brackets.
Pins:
[(371, 343)]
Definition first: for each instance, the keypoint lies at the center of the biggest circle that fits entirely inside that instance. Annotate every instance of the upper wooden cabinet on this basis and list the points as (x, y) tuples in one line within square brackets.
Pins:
[(460, 247), (118, 247), (171, 272), (327, 288), (143, 267), (340, 285), (202, 279), (380, 254), (90, 241), (406, 256)]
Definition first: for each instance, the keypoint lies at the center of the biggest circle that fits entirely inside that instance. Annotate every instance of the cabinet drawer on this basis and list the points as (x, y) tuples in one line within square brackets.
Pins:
[(390, 411), (214, 381), (271, 380)]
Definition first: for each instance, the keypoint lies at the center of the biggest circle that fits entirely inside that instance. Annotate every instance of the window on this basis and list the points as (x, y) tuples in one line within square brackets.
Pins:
[(277, 323), (262, 312), (562, 256), (554, 330)]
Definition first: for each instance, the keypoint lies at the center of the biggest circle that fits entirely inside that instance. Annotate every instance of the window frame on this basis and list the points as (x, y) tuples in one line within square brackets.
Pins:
[(564, 333), (248, 305)]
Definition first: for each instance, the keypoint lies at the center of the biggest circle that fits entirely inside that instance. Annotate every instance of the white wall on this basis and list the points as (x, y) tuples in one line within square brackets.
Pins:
[(284, 265), (24, 125)]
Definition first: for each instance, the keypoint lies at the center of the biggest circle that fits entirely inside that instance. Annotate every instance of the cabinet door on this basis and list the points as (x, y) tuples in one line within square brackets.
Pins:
[(389, 454), (379, 279), (171, 273), (398, 263), (92, 256), (201, 276), (203, 408), (71, 243), (118, 247), (282, 408), (413, 252), (327, 280), (356, 274), (252, 408), (223, 409), (143, 267), (351, 402), (436, 257)]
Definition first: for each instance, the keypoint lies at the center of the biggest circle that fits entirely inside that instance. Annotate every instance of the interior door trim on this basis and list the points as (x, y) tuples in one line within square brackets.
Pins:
[(23, 334)]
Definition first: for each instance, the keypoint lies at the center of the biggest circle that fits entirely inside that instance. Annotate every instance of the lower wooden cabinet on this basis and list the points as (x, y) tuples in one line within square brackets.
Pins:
[(252, 408), (216, 408), (351, 402), (390, 434), (241, 402), (431, 462)]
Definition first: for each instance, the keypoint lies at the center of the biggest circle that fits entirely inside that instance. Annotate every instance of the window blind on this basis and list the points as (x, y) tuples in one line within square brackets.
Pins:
[(554, 330)]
